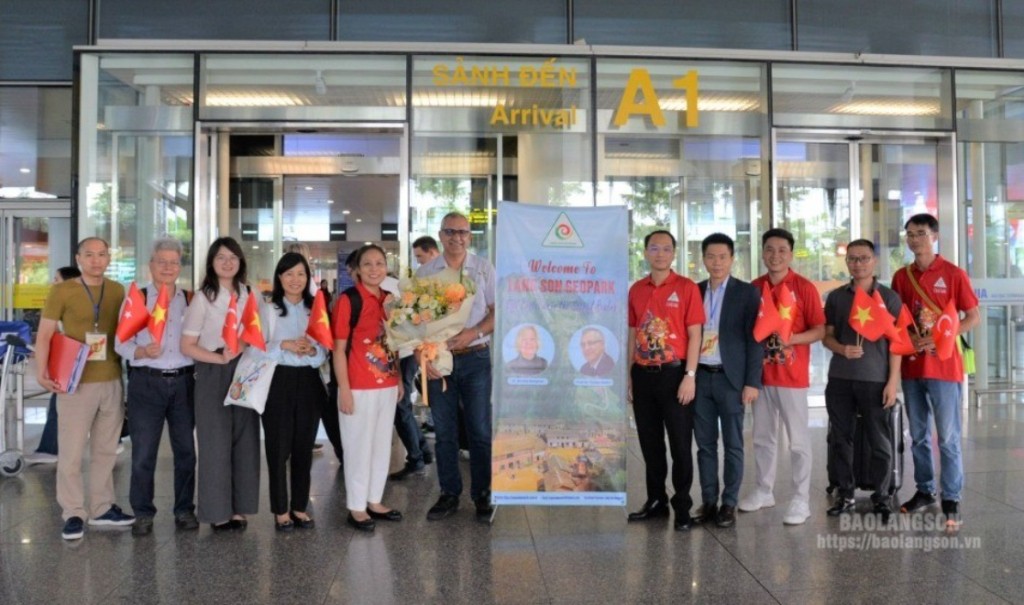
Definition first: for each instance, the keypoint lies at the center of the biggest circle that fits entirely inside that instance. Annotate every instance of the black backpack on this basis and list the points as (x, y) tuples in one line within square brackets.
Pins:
[(355, 300)]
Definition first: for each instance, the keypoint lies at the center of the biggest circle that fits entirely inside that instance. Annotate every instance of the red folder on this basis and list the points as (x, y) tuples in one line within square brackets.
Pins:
[(66, 362)]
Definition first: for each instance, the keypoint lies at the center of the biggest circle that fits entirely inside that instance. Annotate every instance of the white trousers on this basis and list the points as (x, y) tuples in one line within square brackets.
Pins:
[(790, 406), (366, 439)]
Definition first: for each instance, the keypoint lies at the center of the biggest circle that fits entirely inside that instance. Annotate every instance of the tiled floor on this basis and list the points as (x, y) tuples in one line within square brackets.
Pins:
[(531, 555)]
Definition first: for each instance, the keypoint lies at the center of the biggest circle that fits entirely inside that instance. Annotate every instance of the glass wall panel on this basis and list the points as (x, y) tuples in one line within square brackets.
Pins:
[(35, 142), (832, 96), (136, 155), (694, 173), (220, 20), (921, 27), (302, 87), (1013, 28), (35, 44), (525, 22), (497, 128), (695, 24), (990, 133)]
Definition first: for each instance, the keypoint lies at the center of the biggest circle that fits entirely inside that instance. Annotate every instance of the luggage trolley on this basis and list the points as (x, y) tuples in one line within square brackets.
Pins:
[(14, 347)]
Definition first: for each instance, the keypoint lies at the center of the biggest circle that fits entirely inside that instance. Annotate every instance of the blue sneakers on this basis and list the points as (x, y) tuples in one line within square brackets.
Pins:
[(114, 516), (73, 529)]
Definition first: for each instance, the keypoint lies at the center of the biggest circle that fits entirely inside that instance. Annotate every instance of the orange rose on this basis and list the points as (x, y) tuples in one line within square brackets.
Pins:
[(455, 293)]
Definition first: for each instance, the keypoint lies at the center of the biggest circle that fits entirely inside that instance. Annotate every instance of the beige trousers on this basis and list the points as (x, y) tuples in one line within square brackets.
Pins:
[(93, 415)]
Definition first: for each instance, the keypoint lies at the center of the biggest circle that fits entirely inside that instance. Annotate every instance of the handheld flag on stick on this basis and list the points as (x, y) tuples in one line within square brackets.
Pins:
[(134, 315)]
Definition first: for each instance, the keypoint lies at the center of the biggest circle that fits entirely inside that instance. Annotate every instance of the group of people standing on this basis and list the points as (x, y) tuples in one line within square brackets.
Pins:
[(182, 381), (695, 364)]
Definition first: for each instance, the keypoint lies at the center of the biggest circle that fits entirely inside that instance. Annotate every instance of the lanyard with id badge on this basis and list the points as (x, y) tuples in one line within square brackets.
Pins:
[(96, 340), (709, 342)]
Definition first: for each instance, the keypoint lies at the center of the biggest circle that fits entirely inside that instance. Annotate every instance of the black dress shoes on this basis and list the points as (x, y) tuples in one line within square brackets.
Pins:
[(445, 507), (364, 525), (726, 516), (484, 510), (705, 514), (682, 522), (842, 505), (391, 515), (650, 510), (307, 523), (287, 526)]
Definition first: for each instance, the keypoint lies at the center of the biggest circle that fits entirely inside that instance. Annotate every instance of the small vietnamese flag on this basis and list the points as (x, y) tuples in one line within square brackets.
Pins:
[(946, 331), (900, 343), (864, 316), (158, 318), (252, 328), (884, 316), (319, 327), (230, 331), (134, 315), (768, 320), (787, 313)]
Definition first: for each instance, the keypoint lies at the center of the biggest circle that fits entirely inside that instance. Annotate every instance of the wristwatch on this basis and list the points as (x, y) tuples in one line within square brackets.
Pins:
[(479, 334), (691, 373)]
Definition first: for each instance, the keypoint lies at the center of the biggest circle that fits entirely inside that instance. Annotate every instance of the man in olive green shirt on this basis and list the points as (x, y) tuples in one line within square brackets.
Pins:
[(87, 308)]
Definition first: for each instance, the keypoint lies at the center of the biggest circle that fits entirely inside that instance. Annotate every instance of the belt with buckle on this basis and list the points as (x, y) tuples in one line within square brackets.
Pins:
[(187, 370), (468, 350), (654, 369), (710, 368)]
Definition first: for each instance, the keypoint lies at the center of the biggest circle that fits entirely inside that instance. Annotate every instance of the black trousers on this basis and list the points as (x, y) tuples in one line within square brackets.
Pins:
[(844, 399), (657, 410), (329, 414), (290, 422)]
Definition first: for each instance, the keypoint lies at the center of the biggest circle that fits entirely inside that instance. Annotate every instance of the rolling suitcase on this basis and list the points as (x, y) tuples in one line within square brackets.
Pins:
[(862, 454)]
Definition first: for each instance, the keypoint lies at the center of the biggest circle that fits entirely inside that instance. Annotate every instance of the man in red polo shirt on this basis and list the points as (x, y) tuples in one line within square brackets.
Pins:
[(932, 386), (786, 379), (665, 318)]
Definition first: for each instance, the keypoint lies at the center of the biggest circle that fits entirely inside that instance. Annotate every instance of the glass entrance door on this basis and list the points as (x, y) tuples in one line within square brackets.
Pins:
[(321, 191), (35, 240), (833, 188)]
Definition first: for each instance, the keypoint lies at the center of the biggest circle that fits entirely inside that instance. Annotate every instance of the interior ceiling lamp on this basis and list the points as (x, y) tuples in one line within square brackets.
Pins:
[(470, 98), (735, 103), (887, 107)]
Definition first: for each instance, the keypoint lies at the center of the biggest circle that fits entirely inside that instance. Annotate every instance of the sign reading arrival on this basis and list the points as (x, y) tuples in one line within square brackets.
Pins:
[(637, 100)]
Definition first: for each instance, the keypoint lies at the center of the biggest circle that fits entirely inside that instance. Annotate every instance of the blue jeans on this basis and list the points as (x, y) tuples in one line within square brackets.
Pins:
[(405, 421), (152, 400), (941, 398), (48, 442), (470, 383)]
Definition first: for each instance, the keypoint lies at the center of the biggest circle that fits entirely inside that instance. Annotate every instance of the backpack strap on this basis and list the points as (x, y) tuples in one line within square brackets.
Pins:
[(355, 300)]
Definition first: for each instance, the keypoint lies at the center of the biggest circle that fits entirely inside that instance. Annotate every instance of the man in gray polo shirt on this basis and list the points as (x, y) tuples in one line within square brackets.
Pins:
[(863, 378)]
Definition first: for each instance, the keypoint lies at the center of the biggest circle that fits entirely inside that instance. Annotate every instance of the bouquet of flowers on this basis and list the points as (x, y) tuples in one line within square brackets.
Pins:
[(428, 312)]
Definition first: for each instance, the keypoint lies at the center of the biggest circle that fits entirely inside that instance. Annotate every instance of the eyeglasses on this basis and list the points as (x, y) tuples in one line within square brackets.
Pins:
[(167, 264), (456, 232), (861, 260), (657, 249)]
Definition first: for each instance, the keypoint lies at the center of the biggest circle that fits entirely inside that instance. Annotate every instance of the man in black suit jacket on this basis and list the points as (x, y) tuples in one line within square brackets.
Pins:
[(728, 376)]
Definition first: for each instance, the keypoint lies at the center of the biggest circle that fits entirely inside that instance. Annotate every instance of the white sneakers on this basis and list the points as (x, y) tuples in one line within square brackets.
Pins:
[(756, 501), (797, 514)]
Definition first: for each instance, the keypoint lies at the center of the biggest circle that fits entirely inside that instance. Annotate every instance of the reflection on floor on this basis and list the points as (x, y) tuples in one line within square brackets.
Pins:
[(535, 555)]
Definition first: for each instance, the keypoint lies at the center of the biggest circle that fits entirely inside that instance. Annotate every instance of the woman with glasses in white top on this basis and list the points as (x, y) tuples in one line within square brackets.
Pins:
[(228, 437)]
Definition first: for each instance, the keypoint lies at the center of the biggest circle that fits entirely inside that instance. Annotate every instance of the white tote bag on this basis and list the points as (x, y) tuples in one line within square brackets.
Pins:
[(251, 383)]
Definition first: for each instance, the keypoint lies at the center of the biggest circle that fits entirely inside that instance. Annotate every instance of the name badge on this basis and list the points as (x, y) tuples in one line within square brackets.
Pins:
[(97, 343), (709, 346)]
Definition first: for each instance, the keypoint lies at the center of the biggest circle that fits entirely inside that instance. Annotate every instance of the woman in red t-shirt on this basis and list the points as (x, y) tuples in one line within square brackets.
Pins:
[(368, 393)]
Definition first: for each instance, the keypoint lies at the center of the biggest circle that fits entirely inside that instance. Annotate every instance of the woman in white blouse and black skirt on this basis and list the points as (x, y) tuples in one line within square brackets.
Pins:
[(228, 437), (297, 394)]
